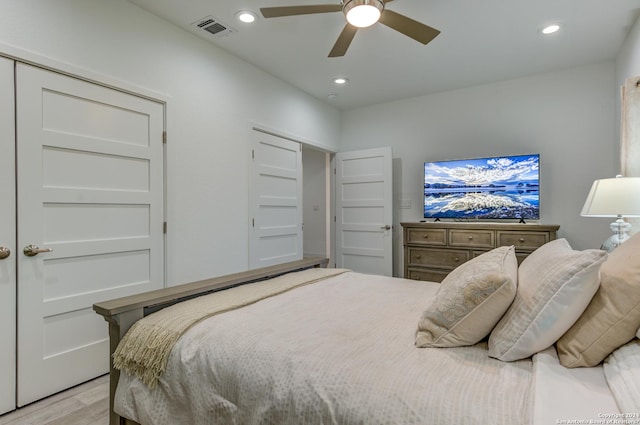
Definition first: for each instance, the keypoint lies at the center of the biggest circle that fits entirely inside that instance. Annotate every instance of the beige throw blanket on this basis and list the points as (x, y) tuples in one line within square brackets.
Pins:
[(145, 348)]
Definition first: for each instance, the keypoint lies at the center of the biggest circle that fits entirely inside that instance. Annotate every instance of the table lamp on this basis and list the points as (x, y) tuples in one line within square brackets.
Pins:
[(616, 197)]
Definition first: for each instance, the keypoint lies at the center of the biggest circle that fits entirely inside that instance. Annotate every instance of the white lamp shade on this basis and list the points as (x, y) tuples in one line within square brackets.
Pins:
[(613, 197)]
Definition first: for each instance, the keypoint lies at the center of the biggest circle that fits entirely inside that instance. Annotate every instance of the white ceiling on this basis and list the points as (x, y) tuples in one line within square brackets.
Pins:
[(481, 41)]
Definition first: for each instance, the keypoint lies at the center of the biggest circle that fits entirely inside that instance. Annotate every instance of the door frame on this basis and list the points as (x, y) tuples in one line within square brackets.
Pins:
[(27, 57), (329, 181), (330, 191), (45, 350), (257, 231)]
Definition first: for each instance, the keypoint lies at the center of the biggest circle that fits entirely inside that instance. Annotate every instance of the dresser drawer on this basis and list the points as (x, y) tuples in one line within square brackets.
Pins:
[(433, 249), (435, 237), (443, 259), (427, 275), (523, 240), (472, 238)]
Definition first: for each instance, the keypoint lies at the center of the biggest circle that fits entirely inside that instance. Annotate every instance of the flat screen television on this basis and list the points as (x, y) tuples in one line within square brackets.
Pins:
[(502, 187)]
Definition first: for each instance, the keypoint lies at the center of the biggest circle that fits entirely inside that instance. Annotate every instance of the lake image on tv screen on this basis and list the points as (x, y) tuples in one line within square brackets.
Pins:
[(487, 188)]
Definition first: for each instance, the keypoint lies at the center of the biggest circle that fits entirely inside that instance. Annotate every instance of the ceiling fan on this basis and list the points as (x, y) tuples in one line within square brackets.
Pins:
[(359, 14)]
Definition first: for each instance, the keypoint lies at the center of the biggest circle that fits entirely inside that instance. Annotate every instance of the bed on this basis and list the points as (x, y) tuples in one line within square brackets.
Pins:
[(302, 344)]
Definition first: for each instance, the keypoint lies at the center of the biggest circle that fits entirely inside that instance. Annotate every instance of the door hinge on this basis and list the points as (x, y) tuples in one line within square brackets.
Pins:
[(164, 227), (334, 219), (164, 137), (253, 154), (253, 222)]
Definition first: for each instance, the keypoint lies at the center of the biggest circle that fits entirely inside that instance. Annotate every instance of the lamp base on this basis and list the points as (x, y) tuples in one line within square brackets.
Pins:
[(613, 242), (620, 229)]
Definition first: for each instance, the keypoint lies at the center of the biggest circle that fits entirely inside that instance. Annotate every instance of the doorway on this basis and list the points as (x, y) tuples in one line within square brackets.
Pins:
[(348, 212), (316, 165)]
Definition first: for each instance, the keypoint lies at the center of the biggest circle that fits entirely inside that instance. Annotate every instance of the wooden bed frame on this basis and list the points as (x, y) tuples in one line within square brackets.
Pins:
[(122, 313)]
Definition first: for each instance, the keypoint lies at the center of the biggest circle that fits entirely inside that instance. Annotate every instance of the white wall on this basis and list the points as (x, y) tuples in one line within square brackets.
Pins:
[(213, 99), (567, 117)]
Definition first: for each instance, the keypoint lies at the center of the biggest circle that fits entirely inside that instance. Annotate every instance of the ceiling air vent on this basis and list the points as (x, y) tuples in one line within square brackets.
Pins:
[(213, 26)]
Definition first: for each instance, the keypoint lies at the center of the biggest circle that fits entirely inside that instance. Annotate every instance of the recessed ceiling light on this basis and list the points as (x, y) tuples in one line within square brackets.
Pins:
[(246, 16), (340, 80), (550, 29)]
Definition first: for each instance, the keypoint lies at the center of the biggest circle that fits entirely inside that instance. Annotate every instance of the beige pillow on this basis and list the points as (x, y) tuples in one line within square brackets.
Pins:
[(555, 285), (470, 300), (613, 316)]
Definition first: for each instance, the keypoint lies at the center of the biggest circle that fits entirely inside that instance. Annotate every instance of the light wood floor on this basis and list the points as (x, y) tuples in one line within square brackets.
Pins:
[(86, 404)]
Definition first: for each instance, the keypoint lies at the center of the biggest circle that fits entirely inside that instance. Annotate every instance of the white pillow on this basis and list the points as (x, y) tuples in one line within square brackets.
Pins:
[(470, 301), (555, 285)]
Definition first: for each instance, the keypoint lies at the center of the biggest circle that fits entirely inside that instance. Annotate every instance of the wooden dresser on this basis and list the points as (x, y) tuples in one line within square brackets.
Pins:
[(432, 250)]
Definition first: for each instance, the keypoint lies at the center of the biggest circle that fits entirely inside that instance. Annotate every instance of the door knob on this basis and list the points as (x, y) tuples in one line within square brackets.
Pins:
[(4, 252), (385, 227), (32, 250)]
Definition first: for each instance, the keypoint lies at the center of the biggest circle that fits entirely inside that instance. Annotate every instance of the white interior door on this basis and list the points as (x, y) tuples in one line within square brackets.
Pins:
[(364, 215), (90, 187), (7, 240), (275, 195)]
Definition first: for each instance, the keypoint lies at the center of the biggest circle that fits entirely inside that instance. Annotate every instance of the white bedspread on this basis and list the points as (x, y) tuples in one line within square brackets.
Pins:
[(569, 396), (340, 351), (622, 369)]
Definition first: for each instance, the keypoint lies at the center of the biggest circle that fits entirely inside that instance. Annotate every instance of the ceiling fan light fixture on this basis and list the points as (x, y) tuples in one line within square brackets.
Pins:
[(363, 13)]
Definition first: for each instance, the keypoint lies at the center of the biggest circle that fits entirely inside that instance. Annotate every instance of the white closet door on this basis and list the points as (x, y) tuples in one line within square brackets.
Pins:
[(276, 201), (7, 240), (90, 187), (364, 221)]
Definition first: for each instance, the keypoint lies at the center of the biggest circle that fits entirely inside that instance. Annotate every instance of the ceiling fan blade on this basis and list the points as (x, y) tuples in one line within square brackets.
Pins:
[(343, 42), (276, 12), (407, 26)]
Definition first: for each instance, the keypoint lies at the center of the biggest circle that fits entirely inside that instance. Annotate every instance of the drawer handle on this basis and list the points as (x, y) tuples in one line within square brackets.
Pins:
[(470, 238), (426, 236), (456, 259), (417, 255), (521, 240)]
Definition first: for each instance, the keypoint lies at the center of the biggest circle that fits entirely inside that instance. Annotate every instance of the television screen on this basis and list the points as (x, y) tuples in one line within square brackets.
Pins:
[(504, 187)]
